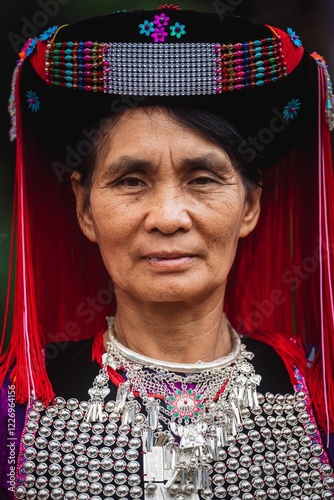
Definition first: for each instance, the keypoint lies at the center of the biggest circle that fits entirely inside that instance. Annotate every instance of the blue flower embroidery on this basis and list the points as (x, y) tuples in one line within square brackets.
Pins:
[(48, 33), (146, 28), (31, 46), (291, 110), (33, 101), (294, 38), (178, 30)]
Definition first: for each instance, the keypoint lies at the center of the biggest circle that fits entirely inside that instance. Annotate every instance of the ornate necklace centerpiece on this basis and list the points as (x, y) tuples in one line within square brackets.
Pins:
[(188, 412)]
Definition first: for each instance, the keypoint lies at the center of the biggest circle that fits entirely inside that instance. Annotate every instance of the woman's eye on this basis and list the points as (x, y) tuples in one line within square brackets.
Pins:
[(131, 182), (203, 180)]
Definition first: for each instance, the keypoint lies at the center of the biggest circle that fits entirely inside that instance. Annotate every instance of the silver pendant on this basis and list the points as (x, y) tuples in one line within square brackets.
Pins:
[(156, 473)]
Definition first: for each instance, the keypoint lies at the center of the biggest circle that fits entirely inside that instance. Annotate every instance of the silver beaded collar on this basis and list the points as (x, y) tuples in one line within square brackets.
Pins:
[(194, 411)]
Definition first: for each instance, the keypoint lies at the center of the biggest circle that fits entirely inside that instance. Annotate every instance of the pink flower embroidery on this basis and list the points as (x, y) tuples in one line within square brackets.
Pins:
[(161, 20), (185, 404), (159, 35)]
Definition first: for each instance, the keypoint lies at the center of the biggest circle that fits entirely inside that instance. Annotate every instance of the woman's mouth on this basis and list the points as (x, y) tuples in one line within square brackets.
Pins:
[(169, 261)]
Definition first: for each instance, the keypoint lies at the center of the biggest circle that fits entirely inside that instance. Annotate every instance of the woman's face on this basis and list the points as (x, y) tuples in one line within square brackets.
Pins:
[(166, 208)]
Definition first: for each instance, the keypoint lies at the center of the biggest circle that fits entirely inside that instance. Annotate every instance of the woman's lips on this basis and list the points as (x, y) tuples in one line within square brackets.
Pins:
[(169, 261)]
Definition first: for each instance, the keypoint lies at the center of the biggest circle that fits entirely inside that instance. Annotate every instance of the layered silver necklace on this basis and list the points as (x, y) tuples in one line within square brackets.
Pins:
[(186, 413)]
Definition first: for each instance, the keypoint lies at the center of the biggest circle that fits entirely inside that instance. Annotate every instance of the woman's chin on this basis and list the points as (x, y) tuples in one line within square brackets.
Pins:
[(171, 291)]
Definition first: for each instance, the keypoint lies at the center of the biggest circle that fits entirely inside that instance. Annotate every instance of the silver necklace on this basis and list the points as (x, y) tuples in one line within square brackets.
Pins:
[(191, 411)]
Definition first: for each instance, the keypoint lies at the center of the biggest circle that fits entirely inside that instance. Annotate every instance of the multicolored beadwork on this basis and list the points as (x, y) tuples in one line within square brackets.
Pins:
[(168, 69), (291, 109), (77, 65), (249, 64), (329, 105)]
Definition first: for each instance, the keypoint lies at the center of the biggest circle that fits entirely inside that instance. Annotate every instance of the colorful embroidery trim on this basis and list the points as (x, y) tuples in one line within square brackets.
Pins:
[(157, 28), (164, 69), (291, 110)]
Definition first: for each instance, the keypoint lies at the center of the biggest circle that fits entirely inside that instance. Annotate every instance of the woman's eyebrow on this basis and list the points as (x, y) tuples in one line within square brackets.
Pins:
[(126, 163), (211, 161)]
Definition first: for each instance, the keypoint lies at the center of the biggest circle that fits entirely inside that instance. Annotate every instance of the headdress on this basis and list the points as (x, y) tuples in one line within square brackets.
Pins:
[(256, 76)]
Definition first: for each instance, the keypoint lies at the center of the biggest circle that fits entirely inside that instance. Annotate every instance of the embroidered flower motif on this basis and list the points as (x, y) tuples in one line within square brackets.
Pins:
[(294, 38), (161, 20), (178, 30), (33, 101), (185, 404), (170, 7), (291, 110), (48, 33), (146, 28), (31, 46), (159, 35)]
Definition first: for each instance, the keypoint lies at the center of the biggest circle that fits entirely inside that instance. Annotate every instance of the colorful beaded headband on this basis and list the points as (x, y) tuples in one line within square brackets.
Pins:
[(168, 69)]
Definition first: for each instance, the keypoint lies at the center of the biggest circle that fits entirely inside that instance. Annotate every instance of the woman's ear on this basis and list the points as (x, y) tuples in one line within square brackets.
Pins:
[(83, 210), (252, 212)]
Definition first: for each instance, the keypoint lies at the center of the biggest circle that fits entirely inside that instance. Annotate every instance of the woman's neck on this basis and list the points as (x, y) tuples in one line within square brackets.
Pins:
[(174, 332)]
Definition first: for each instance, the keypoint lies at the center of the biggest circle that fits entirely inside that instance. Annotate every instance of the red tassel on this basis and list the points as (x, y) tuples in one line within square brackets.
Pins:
[(25, 349), (290, 350)]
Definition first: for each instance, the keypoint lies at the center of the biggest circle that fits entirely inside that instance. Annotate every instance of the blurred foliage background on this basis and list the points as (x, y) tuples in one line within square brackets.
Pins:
[(313, 21)]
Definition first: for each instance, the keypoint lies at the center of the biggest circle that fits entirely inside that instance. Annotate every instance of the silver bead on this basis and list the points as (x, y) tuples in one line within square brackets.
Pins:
[(82, 486), (233, 463), (109, 490), (272, 493), (151, 488), (69, 483), (120, 465), (284, 493), (57, 494), (43, 494), (270, 444), (282, 480), (270, 481), (133, 467), (120, 478), (81, 474), (245, 486), (260, 495), (55, 482), (220, 492), (218, 479), (122, 491), (41, 482), (95, 488), (20, 492), (94, 464), (258, 482)]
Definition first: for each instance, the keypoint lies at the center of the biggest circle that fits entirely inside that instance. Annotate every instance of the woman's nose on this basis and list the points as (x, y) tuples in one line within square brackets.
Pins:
[(168, 212)]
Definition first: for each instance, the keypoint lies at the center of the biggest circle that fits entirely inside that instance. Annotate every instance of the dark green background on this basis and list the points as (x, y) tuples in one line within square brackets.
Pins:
[(312, 20)]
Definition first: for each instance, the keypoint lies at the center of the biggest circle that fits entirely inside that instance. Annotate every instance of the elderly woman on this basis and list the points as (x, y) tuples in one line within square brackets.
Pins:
[(169, 122)]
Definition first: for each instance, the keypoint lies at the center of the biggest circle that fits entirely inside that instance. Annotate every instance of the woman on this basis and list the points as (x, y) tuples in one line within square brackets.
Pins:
[(168, 129)]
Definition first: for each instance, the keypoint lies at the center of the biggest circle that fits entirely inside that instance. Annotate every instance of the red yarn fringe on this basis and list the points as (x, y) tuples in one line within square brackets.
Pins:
[(25, 354)]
